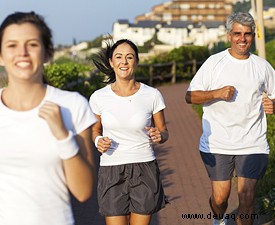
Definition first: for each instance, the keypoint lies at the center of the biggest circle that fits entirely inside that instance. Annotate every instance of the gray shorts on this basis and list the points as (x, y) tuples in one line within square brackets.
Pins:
[(126, 188), (221, 167)]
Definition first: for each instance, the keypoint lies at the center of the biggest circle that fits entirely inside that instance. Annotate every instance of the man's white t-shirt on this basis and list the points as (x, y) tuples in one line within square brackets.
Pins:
[(124, 120), (238, 126), (33, 188)]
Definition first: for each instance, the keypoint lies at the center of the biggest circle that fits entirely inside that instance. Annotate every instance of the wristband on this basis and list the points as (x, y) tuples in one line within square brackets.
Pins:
[(96, 139), (68, 147)]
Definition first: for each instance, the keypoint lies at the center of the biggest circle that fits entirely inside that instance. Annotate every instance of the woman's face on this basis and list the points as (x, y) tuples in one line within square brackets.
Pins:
[(23, 53), (124, 62)]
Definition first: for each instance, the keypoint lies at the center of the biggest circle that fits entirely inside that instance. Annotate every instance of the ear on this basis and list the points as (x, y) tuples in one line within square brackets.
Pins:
[(228, 36)]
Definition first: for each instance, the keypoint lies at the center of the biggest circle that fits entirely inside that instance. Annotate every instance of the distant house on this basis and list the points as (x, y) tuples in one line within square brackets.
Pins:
[(139, 33), (269, 17), (174, 33), (178, 22)]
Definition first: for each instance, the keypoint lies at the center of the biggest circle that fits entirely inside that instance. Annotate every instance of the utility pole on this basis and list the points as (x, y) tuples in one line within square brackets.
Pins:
[(254, 14), (260, 35)]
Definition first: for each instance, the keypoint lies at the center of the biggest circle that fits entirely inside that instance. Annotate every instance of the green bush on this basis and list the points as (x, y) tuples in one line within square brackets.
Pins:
[(265, 188), (270, 49), (73, 77)]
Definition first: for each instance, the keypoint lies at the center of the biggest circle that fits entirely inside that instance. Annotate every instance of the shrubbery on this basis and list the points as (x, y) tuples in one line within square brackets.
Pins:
[(73, 77)]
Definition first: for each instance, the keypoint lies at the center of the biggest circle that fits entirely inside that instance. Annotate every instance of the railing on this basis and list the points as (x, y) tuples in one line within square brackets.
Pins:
[(154, 74)]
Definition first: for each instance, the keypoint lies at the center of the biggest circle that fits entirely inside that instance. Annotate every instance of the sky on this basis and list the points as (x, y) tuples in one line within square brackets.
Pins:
[(82, 20)]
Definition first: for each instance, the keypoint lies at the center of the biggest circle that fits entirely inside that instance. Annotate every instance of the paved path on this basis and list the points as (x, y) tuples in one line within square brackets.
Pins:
[(184, 177)]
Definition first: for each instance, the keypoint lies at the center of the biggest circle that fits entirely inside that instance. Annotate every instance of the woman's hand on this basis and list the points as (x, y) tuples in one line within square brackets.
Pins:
[(52, 114), (155, 134), (103, 144)]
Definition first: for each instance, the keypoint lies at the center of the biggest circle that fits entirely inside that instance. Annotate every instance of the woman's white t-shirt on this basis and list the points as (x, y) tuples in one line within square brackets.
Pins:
[(33, 188), (124, 120)]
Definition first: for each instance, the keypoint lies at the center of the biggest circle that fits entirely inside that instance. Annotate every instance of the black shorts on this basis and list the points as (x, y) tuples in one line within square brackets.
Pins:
[(221, 167), (127, 188)]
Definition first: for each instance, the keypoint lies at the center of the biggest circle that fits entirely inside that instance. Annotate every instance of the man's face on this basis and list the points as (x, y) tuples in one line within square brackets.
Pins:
[(241, 38)]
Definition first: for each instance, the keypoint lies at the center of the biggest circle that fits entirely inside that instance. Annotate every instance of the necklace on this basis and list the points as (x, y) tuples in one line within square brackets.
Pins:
[(129, 94)]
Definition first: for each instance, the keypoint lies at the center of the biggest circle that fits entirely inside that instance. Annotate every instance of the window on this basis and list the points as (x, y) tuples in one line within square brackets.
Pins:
[(211, 6), (183, 17), (229, 7), (167, 16), (201, 6), (210, 17), (185, 6)]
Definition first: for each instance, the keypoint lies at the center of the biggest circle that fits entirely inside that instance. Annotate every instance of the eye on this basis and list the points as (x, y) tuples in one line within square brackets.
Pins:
[(130, 57), (33, 44), (248, 35), (236, 34), (12, 45)]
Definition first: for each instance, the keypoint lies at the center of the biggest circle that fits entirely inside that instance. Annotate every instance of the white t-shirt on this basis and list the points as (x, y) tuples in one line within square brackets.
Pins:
[(237, 126), (33, 188), (124, 120)]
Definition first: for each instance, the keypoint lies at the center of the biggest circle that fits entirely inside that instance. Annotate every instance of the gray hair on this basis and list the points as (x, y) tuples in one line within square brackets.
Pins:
[(242, 18)]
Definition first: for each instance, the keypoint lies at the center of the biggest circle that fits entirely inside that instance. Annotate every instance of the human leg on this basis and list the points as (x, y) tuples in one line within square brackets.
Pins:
[(117, 220), (138, 219), (249, 169), (220, 171), (246, 193), (219, 198)]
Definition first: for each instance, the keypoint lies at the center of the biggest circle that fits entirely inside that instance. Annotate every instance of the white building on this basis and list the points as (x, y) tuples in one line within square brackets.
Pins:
[(138, 33), (174, 33)]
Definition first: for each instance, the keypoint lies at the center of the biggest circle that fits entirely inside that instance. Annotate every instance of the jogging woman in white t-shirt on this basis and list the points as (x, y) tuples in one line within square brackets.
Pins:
[(130, 119), (44, 132)]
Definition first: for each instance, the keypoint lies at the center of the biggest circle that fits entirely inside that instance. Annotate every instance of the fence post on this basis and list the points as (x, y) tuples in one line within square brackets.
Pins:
[(151, 74), (194, 66), (174, 72)]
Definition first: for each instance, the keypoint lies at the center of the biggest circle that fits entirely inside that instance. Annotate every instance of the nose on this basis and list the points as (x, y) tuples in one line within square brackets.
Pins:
[(243, 37), (23, 50), (124, 60)]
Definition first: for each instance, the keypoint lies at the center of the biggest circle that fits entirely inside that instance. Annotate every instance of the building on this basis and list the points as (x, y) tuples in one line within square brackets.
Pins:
[(178, 22), (189, 10), (269, 17), (173, 33)]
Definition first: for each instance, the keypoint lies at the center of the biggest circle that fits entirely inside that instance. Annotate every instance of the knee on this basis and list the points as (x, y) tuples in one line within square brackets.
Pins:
[(220, 201), (246, 197)]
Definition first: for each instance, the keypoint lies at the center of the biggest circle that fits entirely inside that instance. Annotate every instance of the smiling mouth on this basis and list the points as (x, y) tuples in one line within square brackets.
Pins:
[(23, 64), (123, 69)]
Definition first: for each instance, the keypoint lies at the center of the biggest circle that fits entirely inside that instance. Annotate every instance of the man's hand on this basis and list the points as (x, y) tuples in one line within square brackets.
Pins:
[(225, 93), (268, 105)]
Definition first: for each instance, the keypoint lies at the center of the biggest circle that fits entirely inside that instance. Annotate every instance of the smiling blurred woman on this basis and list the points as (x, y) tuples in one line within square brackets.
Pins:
[(44, 132), (130, 119)]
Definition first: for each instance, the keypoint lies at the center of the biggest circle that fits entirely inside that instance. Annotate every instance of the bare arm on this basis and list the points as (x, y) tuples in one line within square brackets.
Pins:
[(79, 168), (104, 143), (200, 97), (159, 133)]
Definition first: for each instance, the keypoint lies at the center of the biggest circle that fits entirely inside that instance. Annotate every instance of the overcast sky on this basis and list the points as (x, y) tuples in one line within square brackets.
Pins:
[(83, 20)]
